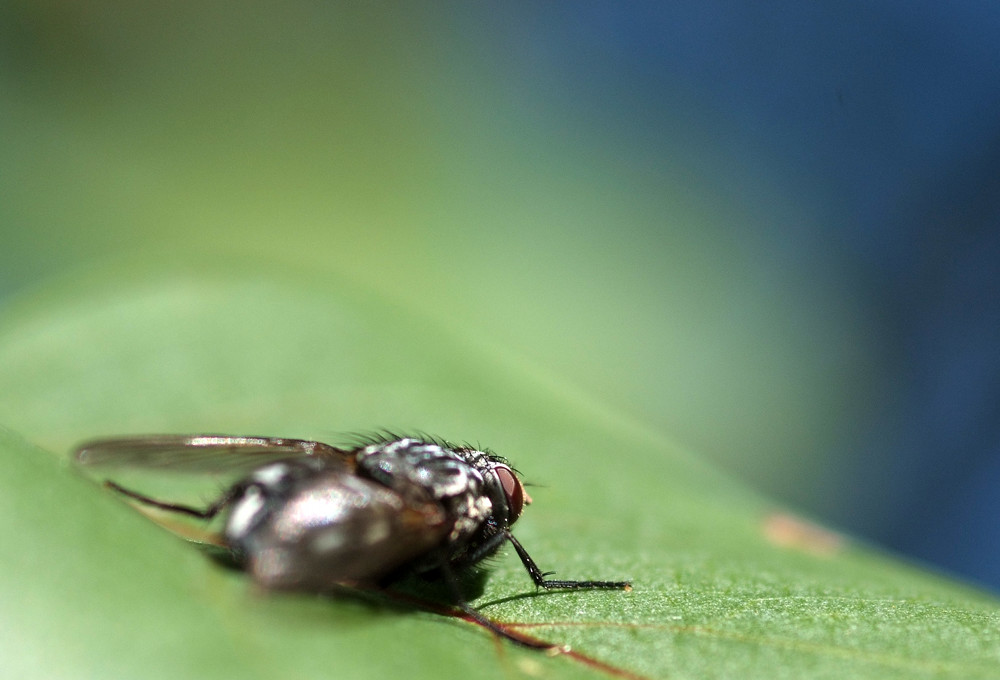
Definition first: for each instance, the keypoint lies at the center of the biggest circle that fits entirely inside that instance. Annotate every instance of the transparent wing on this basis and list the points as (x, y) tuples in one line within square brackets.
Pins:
[(201, 453)]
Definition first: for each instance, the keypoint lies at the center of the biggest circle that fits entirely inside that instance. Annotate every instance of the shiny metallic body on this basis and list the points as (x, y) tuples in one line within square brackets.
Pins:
[(304, 515)]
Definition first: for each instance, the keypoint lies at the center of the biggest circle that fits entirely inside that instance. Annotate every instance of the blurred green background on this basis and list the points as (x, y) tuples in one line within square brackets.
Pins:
[(399, 148), (632, 202)]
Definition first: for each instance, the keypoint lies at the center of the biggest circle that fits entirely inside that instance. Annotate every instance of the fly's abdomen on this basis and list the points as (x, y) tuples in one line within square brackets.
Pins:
[(331, 528)]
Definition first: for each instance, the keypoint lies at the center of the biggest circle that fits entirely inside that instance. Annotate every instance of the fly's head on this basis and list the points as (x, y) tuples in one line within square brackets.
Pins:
[(506, 496), (505, 490)]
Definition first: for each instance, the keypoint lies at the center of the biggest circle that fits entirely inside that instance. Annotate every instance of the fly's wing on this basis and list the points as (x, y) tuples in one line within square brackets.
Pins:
[(201, 453), (166, 476), (341, 529)]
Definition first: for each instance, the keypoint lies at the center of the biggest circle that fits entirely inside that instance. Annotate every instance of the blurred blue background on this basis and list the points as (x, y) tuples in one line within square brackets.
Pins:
[(770, 230)]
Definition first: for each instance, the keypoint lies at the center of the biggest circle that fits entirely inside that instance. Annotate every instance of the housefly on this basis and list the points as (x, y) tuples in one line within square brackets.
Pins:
[(304, 515)]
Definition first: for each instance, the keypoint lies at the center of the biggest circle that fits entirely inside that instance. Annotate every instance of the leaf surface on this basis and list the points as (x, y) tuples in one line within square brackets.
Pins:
[(726, 583)]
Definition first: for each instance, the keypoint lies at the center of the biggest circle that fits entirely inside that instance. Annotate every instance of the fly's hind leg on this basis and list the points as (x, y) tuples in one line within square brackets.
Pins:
[(205, 513)]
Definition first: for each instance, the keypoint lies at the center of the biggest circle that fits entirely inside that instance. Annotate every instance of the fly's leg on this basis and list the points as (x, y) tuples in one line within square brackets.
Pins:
[(538, 576), (458, 599), (205, 513)]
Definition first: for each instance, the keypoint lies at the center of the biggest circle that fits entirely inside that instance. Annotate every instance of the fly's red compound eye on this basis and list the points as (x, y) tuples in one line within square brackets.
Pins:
[(517, 497)]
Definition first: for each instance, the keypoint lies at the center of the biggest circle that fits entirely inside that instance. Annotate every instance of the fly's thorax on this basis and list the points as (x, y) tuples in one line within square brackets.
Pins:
[(429, 471)]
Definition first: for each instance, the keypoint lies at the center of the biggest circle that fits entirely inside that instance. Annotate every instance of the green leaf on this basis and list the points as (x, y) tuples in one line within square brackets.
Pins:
[(726, 584)]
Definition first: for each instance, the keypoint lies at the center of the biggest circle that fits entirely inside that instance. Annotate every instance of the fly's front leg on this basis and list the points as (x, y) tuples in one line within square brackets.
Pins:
[(538, 576), (458, 599)]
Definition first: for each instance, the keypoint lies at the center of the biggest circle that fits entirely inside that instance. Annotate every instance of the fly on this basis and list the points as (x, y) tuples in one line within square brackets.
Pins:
[(304, 515)]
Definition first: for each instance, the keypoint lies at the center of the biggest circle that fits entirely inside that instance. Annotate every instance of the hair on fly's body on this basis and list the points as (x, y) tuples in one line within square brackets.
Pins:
[(304, 515)]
